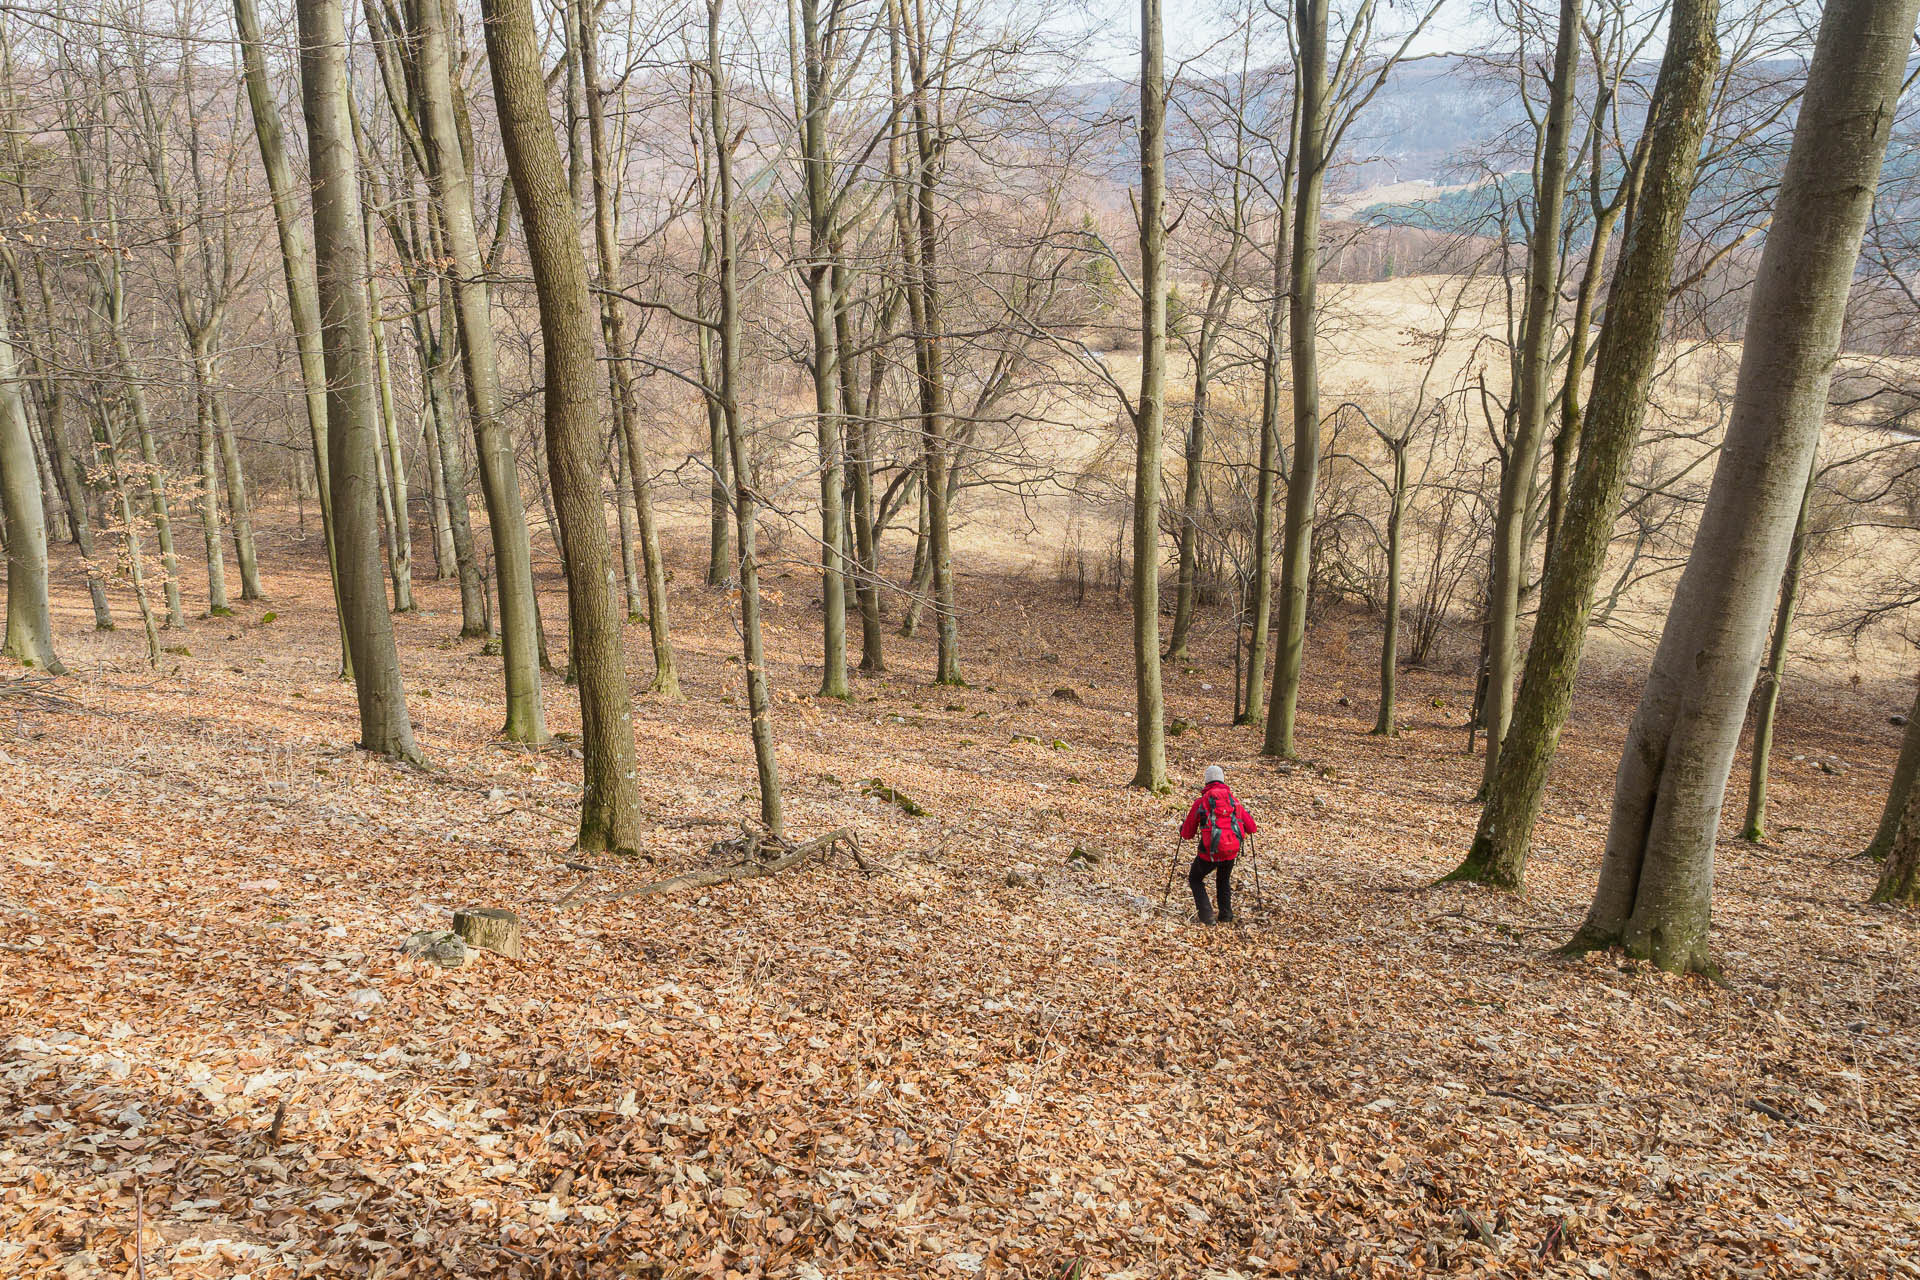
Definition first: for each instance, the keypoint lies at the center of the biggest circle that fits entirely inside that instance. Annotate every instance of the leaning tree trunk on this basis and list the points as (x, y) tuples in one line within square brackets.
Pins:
[(610, 799), (340, 253), (1906, 771), (296, 262), (1629, 352), (29, 615), (1150, 732), (1513, 512), (1656, 880), (1767, 695), (1296, 538), (452, 184)]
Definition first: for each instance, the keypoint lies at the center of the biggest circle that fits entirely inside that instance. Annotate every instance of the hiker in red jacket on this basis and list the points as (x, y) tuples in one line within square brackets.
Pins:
[(1221, 822)]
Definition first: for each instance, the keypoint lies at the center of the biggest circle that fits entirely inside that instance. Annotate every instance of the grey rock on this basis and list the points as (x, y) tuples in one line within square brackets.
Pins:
[(443, 947)]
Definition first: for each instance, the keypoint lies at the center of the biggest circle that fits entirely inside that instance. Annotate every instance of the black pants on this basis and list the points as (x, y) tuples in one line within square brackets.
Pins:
[(1222, 872)]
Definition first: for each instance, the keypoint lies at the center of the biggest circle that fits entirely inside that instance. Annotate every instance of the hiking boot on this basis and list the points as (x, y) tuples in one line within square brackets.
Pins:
[(1226, 917), (1206, 915)]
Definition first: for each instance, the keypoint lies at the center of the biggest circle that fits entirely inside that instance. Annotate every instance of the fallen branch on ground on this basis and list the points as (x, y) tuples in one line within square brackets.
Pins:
[(754, 862)]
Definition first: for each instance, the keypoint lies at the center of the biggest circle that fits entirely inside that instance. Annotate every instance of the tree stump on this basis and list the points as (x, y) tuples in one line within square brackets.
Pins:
[(494, 928)]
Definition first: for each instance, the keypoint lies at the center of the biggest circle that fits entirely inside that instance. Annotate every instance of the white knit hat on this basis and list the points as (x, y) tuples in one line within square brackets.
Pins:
[(1216, 774)]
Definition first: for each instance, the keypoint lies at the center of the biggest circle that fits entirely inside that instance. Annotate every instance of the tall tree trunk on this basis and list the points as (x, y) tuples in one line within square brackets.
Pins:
[(1513, 512), (444, 563), (156, 475), (719, 490), (29, 636), (923, 282), (1629, 352), (1270, 460), (817, 163), (613, 330), (437, 353), (340, 253), (1150, 732), (859, 451), (452, 185), (208, 499), (1767, 695), (1296, 548), (745, 501), (1906, 772), (610, 799), (296, 263), (1656, 880)]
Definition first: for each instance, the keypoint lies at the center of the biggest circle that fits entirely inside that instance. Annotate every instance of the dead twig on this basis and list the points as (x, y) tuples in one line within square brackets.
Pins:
[(751, 865)]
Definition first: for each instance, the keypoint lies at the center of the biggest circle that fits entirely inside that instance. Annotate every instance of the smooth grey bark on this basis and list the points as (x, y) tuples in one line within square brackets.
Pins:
[(636, 591), (340, 260), (1767, 692), (29, 637), (859, 466), (610, 798), (1383, 723), (239, 506), (1623, 372), (1656, 881), (451, 181), (1150, 732), (1513, 511), (1906, 771), (208, 498)]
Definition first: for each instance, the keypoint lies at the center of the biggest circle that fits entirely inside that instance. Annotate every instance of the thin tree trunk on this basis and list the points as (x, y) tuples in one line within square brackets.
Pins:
[(930, 348), (296, 262), (610, 799), (340, 254), (444, 563), (719, 491), (437, 354), (1906, 772), (1656, 880), (745, 501), (1513, 512), (1390, 640), (613, 330), (623, 509), (239, 508), (208, 499), (1150, 742), (819, 271), (859, 466), (108, 449), (452, 185), (29, 638), (1629, 351), (393, 477), (1767, 695)]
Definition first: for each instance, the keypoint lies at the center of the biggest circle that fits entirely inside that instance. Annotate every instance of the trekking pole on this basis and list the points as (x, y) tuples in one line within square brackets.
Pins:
[(1172, 868), (1258, 899)]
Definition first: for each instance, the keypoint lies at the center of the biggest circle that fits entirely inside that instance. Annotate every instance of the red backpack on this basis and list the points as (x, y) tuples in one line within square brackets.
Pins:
[(1220, 834)]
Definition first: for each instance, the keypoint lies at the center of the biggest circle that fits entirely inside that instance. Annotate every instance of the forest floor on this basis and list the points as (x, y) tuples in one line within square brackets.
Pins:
[(210, 1035)]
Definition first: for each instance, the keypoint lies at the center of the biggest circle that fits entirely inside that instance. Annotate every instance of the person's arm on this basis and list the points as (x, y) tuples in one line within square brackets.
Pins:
[(1192, 824), (1247, 824)]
